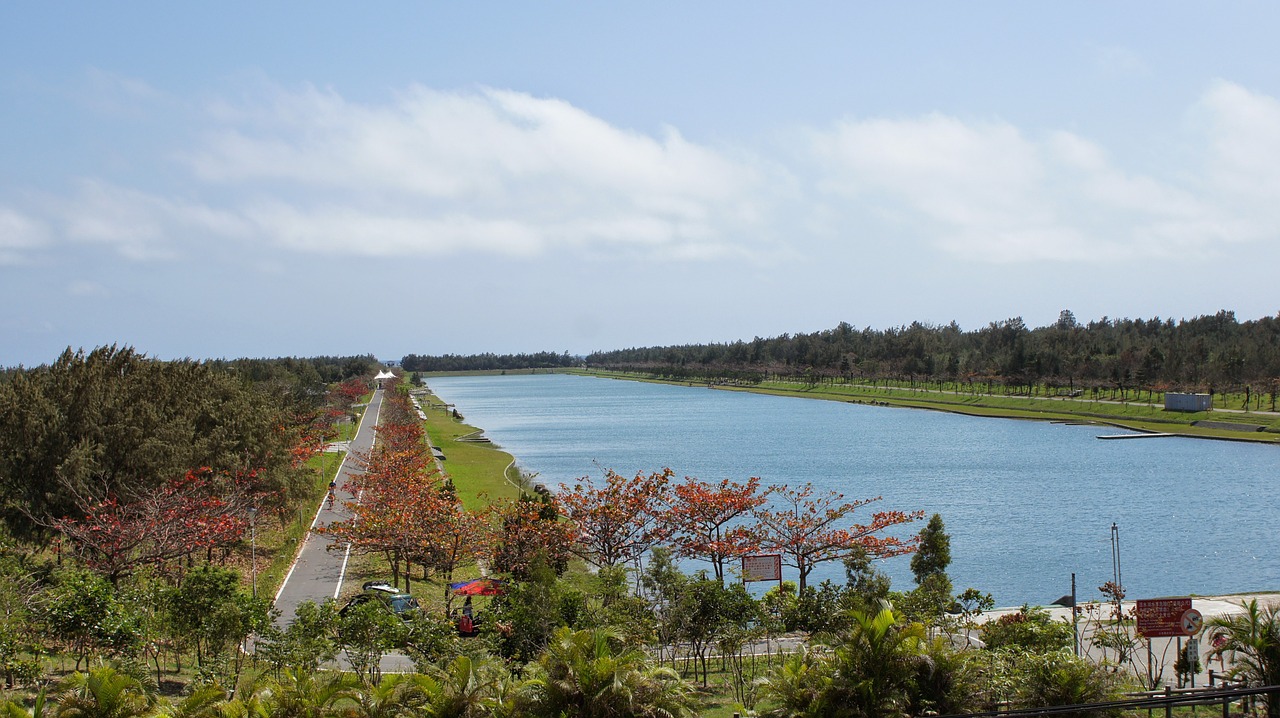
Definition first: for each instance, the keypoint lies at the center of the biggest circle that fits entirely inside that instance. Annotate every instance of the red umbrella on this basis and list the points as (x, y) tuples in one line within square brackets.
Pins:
[(478, 587)]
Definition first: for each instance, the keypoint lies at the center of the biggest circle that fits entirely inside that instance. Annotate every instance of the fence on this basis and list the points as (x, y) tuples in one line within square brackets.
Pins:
[(1167, 700)]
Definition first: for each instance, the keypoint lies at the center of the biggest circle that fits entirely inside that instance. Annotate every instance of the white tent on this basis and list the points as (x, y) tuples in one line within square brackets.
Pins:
[(384, 374)]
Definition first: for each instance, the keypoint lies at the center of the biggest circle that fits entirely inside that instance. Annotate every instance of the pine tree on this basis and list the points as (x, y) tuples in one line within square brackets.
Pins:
[(934, 553)]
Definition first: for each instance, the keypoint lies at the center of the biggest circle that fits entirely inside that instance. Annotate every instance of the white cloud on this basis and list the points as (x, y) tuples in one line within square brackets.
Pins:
[(116, 95), (19, 234), (87, 288), (140, 225), (1244, 142), (496, 171), (988, 191), (1117, 60)]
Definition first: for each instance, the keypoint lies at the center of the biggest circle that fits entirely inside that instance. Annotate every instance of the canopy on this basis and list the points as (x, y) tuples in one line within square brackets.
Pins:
[(477, 587)]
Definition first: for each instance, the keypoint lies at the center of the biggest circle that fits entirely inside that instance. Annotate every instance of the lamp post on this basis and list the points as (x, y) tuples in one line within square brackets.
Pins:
[(253, 547), (1115, 556)]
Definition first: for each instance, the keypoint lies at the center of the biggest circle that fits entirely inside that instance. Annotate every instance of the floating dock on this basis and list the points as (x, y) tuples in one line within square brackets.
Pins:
[(1152, 435)]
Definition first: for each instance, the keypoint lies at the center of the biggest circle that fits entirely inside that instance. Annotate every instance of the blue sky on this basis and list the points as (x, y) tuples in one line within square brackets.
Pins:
[(251, 179)]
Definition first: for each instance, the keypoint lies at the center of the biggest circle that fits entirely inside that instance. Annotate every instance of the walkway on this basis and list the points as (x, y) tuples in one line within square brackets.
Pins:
[(317, 572)]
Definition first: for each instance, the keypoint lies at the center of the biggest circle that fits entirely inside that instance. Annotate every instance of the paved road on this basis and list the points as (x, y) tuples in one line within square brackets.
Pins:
[(317, 572)]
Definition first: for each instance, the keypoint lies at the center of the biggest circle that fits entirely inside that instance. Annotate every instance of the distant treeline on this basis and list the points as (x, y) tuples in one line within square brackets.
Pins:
[(488, 362), (1205, 353), (310, 375)]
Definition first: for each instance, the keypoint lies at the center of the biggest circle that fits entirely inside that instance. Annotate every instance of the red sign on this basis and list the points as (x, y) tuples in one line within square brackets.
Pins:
[(1162, 617), (766, 567)]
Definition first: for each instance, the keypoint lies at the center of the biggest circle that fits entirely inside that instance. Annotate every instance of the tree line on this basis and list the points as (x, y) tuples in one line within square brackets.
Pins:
[(1211, 352), (488, 362), (113, 426)]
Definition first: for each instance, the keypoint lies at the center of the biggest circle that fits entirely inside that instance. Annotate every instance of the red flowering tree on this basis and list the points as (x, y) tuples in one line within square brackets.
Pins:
[(350, 391), (617, 522), (699, 520), (807, 529), (199, 511), (406, 510), (528, 528), (313, 433), (397, 493), (452, 537)]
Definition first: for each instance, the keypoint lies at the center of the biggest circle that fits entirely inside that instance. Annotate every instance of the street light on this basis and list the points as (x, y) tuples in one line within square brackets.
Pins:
[(1115, 556), (253, 547)]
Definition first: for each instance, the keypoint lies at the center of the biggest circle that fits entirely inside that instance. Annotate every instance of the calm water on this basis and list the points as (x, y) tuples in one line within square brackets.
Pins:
[(1026, 503)]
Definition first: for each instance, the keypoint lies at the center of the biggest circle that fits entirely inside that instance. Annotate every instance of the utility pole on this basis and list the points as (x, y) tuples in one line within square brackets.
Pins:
[(1115, 556), (1075, 616), (253, 547)]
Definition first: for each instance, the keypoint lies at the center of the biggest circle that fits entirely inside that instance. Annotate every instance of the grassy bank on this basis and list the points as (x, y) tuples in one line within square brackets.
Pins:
[(481, 472), (1128, 415)]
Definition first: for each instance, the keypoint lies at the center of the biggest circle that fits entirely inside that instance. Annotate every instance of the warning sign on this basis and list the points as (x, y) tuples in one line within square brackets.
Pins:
[(766, 567), (1163, 617)]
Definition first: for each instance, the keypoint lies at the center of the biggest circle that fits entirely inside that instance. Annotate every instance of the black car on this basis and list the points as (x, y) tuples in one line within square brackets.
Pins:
[(396, 601)]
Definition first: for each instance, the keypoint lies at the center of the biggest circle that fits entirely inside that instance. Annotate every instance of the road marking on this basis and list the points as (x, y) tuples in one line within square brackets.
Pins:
[(314, 520)]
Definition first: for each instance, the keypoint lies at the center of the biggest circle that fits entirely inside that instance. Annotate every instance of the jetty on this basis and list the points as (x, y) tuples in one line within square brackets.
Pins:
[(1149, 435)]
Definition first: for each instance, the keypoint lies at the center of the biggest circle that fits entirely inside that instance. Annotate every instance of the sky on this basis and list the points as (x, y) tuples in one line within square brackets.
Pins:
[(301, 179)]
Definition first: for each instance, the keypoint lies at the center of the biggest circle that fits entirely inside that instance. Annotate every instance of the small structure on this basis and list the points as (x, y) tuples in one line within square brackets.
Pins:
[(1188, 402), (383, 376)]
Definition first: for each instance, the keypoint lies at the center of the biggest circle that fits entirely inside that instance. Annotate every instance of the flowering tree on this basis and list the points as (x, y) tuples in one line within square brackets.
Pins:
[(350, 391), (451, 537), (398, 494), (314, 431), (617, 522), (406, 508), (197, 511), (698, 517), (806, 530), (529, 528)]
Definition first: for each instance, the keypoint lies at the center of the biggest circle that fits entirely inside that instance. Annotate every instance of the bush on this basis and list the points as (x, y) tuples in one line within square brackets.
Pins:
[(1031, 628)]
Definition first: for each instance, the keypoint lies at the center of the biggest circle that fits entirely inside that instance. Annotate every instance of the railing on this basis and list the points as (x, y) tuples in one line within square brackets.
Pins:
[(1168, 700)]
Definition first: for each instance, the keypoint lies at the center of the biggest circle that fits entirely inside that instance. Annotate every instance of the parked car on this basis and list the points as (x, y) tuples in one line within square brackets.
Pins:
[(393, 599)]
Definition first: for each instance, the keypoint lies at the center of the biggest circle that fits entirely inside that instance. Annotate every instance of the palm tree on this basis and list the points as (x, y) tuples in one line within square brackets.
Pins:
[(800, 686), (465, 688), (876, 662), (869, 673), (1253, 637), (207, 701), (14, 709), (104, 692), (586, 674), (395, 696), (295, 695)]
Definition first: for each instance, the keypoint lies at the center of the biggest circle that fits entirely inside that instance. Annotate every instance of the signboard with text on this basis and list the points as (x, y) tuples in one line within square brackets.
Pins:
[(765, 567), (1164, 617)]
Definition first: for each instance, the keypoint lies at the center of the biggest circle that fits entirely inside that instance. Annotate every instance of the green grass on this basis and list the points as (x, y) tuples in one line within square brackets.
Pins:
[(346, 431), (480, 472), (1135, 415)]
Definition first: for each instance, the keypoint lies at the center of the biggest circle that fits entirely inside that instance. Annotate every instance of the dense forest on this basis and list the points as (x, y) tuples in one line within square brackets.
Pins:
[(488, 362), (1206, 353), (114, 424)]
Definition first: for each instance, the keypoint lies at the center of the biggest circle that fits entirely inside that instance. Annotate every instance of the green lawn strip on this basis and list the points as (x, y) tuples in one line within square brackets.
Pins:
[(479, 471), (1133, 415), (346, 431)]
